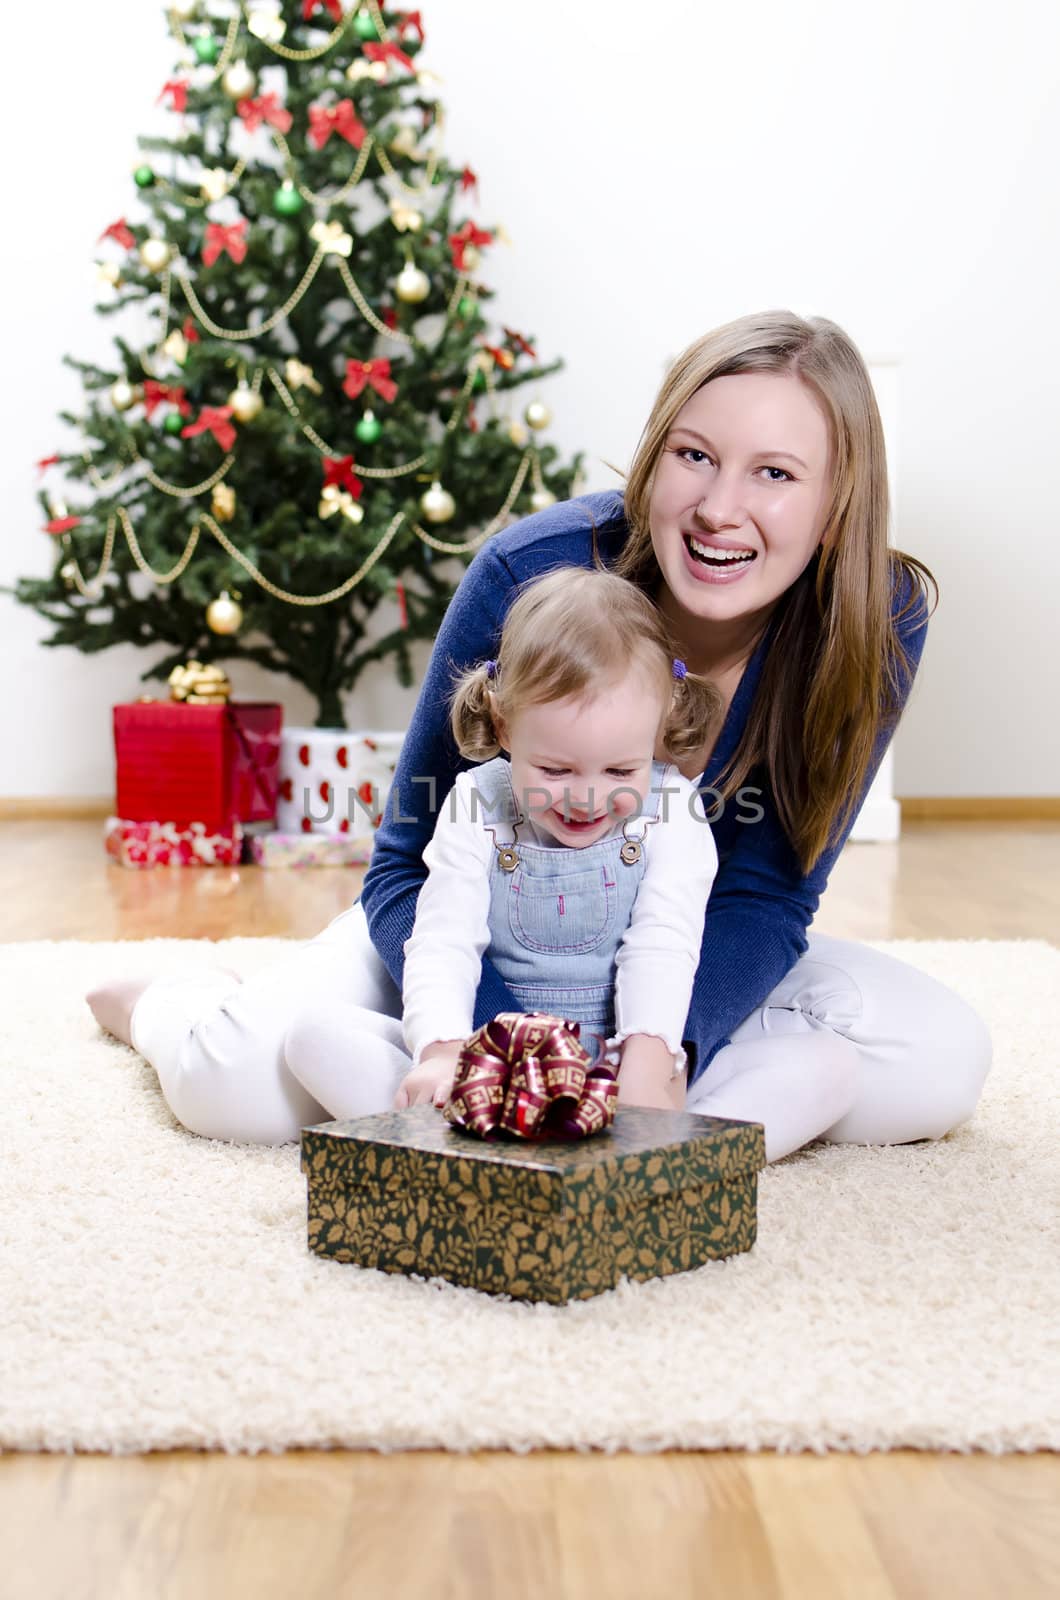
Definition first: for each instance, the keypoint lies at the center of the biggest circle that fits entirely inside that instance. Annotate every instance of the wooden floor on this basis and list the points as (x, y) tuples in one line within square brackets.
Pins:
[(312, 1524)]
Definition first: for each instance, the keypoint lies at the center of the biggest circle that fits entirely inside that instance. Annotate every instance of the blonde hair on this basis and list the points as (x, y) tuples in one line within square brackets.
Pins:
[(835, 671), (572, 632)]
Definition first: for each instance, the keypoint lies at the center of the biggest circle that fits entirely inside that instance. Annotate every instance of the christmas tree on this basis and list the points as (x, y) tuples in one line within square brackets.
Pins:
[(318, 415)]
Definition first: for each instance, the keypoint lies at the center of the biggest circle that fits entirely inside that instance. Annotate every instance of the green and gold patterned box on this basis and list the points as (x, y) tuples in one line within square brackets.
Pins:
[(659, 1192)]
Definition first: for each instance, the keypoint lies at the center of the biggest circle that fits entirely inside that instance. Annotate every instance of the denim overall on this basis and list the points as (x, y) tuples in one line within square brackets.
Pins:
[(558, 914)]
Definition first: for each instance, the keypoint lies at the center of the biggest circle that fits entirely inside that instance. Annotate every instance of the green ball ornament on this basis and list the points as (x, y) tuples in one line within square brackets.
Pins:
[(173, 422), (144, 177), (287, 202), (479, 382), (369, 430), (364, 27), (206, 48), (465, 305)]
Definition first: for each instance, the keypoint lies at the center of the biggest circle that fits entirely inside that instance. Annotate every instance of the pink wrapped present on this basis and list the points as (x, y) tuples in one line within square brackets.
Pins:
[(164, 844), (334, 782), (310, 850)]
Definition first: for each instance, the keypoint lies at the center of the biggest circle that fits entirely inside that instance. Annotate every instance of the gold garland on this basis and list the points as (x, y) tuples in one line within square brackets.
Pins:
[(238, 334), (227, 49), (312, 54)]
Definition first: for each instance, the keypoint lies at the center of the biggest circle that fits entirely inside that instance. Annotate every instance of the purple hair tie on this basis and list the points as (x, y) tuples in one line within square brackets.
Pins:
[(491, 669), (680, 671)]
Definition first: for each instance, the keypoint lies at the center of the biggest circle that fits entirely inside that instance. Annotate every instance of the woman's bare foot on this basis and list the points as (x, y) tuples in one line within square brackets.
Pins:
[(112, 1002)]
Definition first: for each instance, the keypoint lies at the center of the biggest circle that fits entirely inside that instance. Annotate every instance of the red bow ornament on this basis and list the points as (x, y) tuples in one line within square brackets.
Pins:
[(266, 108), (467, 235), (389, 51), (177, 90), (468, 180), (527, 1073), (503, 358), (339, 470), (215, 420), (517, 339), (47, 461), (120, 232), (61, 524), (334, 8), (377, 373), (156, 393), (341, 119), (220, 238), (410, 19)]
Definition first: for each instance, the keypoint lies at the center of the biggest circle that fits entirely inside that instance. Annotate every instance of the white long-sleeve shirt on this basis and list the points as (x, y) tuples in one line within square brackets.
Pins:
[(656, 960)]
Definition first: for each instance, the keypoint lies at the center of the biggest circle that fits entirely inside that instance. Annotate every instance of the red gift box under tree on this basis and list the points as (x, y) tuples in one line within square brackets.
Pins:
[(182, 763)]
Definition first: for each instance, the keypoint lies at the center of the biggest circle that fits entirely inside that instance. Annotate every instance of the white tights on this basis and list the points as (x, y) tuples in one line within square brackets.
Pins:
[(851, 1046)]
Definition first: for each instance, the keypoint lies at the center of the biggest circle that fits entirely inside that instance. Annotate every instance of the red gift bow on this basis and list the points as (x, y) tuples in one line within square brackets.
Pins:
[(61, 524), (517, 338), (341, 119), (389, 51), (177, 89), (468, 234), (410, 19), (334, 7), (266, 108), (120, 232), (155, 393), (377, 373), (339, 469), (220, 237), (215, 420), (527, 1073)]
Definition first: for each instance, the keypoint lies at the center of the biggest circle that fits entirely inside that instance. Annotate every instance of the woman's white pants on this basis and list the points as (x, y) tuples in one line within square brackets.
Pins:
[(851, 1046)]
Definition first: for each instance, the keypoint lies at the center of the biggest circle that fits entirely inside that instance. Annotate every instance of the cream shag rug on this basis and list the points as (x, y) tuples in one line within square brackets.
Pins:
[(156, 1290)]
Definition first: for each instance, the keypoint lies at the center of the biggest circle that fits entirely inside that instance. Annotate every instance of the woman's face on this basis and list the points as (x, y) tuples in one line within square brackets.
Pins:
[(740, 495)]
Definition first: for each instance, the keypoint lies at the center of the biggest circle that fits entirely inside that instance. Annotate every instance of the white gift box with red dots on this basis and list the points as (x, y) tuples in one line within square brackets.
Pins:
[(335, 782)]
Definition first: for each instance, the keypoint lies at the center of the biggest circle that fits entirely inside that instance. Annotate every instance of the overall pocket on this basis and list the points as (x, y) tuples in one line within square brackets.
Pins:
[(565, 915)]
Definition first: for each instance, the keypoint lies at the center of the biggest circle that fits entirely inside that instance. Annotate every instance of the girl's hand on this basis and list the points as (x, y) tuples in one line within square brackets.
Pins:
[(645, 1076), (432, 1080)]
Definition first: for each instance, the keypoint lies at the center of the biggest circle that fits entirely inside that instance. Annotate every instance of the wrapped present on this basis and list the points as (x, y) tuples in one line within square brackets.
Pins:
[(164, 844), (334, 782), (278, 849), (198, 757), (658, 1192)]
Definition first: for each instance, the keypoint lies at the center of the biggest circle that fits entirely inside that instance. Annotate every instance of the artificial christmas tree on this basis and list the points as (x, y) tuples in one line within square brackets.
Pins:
[(321, 409)]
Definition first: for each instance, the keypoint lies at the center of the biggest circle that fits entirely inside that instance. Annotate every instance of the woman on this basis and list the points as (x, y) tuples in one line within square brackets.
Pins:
[(755, 514)]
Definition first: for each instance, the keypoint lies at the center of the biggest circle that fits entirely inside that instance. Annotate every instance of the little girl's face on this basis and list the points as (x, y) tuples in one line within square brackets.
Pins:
[(580, 765)]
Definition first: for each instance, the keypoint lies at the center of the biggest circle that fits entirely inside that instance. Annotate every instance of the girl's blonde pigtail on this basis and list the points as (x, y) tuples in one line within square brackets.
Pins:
[(471, 717)]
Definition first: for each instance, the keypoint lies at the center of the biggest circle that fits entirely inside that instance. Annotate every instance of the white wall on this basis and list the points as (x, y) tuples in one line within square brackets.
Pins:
[(661, 170)]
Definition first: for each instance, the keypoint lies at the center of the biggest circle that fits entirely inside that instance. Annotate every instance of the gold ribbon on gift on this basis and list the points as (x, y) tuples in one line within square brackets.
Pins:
[(199, 685), (528, 1074)]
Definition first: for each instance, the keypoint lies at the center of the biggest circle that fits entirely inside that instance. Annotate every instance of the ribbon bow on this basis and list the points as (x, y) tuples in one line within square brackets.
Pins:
[(517, 338), (527, 1073), (333, 6), (341, 119), (410, 19), (155, 393), (332, 238), (468, 180), (503, 358), (199, 685), (376, 373), (62, 524), (389, 51), (177, 90), (467, 235), (333, 499), (266, 108), (220, 237), (120, 232), (339, 470), (215, 420)]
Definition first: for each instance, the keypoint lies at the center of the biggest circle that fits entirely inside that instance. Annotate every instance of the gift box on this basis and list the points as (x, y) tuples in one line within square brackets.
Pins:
[(184, 763), (334, 782), (164, 844), (659, 1192), (310, 850)]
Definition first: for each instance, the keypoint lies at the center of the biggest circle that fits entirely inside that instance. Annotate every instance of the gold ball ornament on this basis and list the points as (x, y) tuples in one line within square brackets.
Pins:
[(223, 502), (183, 10), (223, 615), (245, 403), (517, 433), (239, 82), (541, 499), (472, 258), (123, 395), (155, 254), (412, 285), (437, 504), (109, 272), (68, 572), (538, 416)]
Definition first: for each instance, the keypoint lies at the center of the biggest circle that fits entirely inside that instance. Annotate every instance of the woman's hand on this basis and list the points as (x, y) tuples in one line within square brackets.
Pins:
[(432, 1080), (645, 1076)]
